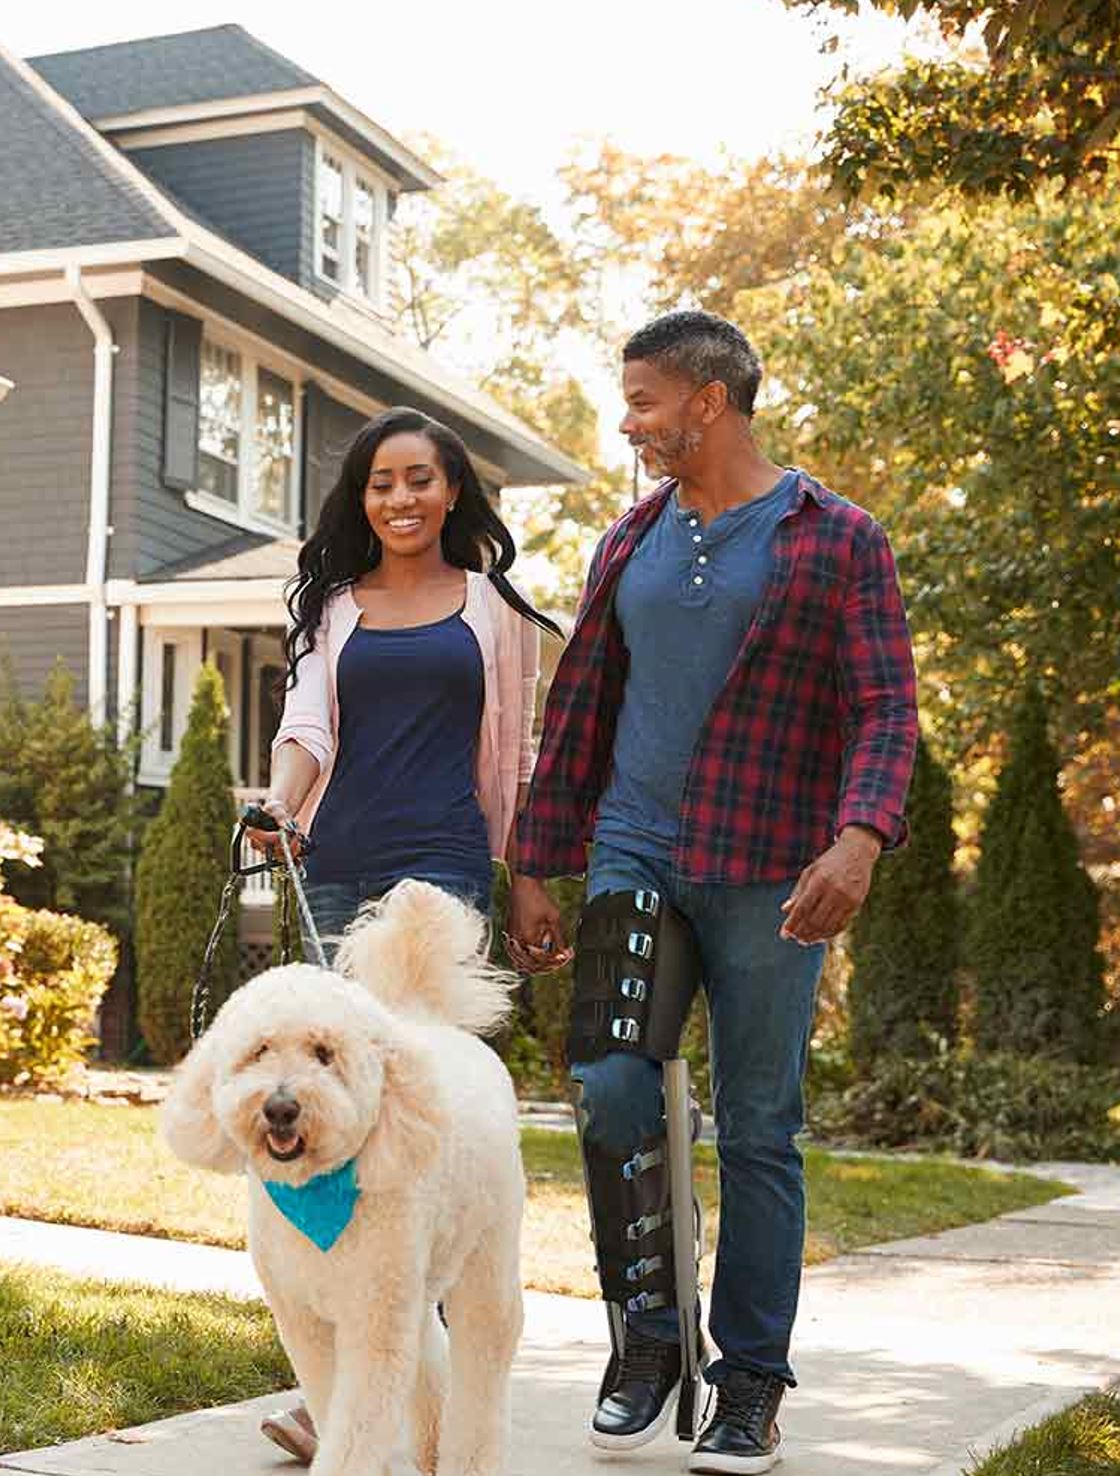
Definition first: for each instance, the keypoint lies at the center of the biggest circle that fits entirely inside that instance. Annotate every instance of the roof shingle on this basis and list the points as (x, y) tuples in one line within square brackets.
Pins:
[(57, 190), (166, 71)]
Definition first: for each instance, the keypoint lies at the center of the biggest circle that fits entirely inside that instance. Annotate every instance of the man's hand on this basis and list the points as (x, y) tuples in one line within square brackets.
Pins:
[(831, 890), (535, 941)]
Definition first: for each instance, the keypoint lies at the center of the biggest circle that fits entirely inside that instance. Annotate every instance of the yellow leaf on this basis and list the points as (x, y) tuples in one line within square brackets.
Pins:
[(1017, 363)]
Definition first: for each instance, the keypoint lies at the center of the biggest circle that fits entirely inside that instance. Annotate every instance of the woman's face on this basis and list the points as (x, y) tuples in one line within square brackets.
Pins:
[(407, 495)]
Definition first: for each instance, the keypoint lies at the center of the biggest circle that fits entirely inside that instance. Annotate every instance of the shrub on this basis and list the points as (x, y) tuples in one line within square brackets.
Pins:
[(183, 865), (53, 972), (67, 781), (902, 994), (1033, 939), (995, 1106)]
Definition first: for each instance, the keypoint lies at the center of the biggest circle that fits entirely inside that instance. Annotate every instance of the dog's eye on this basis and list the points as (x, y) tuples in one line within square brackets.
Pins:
[(324, 1055), (260, 1052)]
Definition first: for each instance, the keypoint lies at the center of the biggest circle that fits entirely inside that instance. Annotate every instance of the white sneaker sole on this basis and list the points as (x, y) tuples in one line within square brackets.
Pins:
[(602, 1441), (737, 1465)]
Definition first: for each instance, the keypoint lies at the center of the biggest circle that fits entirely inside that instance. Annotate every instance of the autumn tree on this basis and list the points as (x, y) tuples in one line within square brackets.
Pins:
[(1038, 103)]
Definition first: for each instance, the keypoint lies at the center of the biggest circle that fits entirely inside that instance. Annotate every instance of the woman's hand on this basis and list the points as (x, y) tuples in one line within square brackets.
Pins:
[(535, 941), (268, 841)]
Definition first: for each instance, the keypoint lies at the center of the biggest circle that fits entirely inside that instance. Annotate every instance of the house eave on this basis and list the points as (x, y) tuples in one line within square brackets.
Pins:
[(409, 169)]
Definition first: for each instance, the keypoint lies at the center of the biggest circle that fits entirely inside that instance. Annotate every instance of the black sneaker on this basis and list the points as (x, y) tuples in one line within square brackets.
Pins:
[(744, 1434), (639, 1403)]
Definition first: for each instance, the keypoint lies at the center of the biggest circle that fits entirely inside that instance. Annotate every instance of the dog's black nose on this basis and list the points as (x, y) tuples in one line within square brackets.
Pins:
[(281, 1109)]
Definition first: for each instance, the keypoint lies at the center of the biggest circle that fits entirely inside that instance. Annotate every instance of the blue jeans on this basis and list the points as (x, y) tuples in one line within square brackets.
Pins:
[(334, 905), (760, 993)]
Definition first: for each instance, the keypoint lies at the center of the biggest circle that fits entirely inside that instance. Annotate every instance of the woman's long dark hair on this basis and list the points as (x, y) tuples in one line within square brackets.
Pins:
[(343, 547)]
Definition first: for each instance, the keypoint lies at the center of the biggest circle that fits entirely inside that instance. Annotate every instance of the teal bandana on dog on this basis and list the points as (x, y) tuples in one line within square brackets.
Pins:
[(323, 1207)]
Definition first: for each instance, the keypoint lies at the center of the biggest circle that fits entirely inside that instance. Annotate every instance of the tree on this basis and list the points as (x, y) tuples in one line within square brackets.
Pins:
[(1035, 924), (67, 781), (183, 864), (499, 292), (903, 994), (960, 380), (1040, 102)]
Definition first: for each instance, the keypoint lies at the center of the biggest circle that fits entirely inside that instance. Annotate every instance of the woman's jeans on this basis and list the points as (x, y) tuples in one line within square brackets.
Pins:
[(760, 991), (334, 905)]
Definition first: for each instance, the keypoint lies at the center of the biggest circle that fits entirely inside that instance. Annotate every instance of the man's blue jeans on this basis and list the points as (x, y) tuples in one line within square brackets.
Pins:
[(760, 992)]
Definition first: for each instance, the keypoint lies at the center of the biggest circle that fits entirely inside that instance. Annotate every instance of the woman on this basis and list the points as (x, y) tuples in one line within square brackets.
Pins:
[(412, 669)]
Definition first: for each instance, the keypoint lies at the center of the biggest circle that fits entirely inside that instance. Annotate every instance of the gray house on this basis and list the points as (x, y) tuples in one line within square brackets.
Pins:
[(197, 263)]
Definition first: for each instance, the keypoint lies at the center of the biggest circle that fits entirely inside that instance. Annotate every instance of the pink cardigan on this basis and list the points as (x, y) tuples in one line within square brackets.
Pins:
[(510, 647)]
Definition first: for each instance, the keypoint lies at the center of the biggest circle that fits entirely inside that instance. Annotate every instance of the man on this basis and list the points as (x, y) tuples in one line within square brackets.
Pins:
[(732, 725)]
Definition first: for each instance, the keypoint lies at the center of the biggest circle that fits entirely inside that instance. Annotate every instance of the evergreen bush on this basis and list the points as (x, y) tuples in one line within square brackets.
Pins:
[(1035, 925), (903, 990), (67, 781), (184, 862)]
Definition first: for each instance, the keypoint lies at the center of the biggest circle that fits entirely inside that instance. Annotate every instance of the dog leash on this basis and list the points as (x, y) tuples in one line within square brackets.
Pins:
[(289, 872)]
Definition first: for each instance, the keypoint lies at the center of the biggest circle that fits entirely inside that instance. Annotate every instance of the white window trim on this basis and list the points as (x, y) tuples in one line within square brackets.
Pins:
[(243, 515), (155, 764), (353, 165)]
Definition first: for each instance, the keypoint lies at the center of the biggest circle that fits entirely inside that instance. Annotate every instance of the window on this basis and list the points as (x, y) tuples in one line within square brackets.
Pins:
[(167, 699), (275, 447), (330, 217), (354, 210), (247, 429), (219, 421)]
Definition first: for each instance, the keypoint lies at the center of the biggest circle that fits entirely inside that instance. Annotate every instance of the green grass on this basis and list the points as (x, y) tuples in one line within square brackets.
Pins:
[(1081, 1441), (79, 1358), (82, 1164)]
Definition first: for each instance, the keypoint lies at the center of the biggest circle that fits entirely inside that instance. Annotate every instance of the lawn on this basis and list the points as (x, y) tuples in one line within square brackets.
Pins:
[(1081, 1441), (80, 1357), (83, 1164)]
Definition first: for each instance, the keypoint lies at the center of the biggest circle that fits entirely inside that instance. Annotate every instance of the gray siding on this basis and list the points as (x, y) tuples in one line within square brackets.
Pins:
[(257, 190), (329, 428), (46, 426), (33, 637)]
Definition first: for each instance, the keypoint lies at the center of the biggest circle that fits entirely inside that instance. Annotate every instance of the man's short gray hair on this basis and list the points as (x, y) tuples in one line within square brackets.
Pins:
[(700, 347)]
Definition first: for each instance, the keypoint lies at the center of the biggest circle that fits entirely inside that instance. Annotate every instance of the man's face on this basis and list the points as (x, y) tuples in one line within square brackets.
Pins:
[(660, 420)]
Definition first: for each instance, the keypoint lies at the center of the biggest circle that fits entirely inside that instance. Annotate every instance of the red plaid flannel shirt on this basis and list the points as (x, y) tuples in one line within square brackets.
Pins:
[(814, 729)]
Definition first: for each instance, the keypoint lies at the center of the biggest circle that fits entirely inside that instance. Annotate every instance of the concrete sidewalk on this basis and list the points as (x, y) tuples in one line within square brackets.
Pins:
[(911, 1356)]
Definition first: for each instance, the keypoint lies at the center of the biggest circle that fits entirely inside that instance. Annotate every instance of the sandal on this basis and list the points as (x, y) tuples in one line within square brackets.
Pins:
[(293, 1431)]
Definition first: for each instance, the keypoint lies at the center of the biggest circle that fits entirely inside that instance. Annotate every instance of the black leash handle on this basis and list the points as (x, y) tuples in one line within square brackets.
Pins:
[(254, 817)]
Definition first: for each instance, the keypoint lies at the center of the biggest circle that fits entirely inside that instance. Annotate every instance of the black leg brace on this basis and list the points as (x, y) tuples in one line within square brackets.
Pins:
[(636, 972)]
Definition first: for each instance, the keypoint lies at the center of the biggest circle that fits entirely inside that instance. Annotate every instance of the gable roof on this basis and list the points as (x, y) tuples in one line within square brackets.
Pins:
[(57, 188), (165, 71)]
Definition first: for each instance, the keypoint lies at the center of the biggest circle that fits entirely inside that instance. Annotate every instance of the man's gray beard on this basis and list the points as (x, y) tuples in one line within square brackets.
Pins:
[(671, 447)]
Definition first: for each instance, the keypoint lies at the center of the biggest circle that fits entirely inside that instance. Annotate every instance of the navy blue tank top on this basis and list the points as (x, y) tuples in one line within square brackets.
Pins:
[(401, 799)]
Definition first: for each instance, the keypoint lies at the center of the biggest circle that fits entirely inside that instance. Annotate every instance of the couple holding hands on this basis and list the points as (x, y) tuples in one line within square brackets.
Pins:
[(732, 725)]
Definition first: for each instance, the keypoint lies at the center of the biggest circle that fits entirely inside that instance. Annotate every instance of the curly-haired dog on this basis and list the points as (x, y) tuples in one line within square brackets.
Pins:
[(379, 1135)]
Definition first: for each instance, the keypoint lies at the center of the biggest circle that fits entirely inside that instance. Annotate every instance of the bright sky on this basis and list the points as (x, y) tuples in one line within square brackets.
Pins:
[(511, 85)]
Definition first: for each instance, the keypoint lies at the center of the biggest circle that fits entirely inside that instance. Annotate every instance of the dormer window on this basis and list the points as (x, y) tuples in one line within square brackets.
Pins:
[(351, 225)]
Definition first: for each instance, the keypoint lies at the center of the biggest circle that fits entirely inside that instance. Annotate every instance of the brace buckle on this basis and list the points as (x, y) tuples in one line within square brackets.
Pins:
[(626, 1028), (640, 1228), (648, 902), (640, 945), (639, 1270), (633, 989)]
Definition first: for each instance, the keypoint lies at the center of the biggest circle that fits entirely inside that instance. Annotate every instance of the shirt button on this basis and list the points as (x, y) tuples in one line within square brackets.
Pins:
[(702, 558), (692, 522), (698, 580), (696, 538)]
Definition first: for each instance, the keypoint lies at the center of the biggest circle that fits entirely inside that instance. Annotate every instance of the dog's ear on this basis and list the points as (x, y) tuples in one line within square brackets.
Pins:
[(188, 1122), (405, 1139)]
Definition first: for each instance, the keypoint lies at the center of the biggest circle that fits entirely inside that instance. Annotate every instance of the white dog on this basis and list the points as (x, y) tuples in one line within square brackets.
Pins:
[(370, 1089)]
